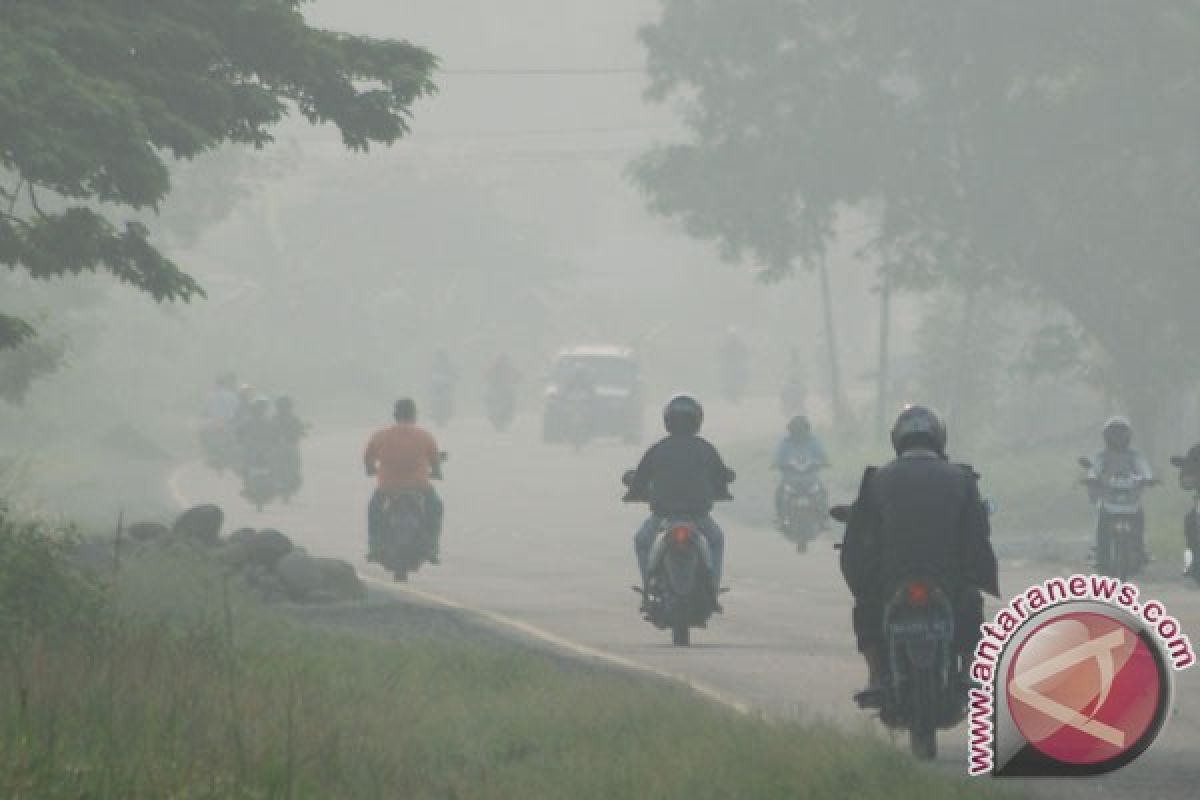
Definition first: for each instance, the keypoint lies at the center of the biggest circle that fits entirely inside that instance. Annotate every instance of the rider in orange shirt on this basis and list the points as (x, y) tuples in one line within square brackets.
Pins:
[(404, 457)]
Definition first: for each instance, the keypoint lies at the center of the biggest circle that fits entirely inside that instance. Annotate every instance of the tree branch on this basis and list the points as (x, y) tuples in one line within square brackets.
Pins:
[(34, 202)]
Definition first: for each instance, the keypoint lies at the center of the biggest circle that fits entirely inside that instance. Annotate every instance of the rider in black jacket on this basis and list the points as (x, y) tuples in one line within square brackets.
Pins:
[(920, 514), (681, 476)]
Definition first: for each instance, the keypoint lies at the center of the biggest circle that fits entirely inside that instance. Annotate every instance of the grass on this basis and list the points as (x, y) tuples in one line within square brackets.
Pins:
[(182, 689)]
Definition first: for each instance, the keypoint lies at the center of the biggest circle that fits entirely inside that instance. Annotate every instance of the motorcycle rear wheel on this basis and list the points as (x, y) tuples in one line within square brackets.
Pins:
[(922, 729)]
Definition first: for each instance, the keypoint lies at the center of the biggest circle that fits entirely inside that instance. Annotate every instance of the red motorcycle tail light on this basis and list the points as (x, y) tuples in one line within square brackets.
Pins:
[(681, 534), (917, 594)]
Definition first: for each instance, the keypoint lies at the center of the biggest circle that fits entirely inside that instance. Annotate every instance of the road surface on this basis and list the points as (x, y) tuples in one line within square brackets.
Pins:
[(535, 535)]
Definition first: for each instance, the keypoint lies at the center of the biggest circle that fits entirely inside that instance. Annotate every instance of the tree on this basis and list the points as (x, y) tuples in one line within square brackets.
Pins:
[(1048, 145), (97, 95)]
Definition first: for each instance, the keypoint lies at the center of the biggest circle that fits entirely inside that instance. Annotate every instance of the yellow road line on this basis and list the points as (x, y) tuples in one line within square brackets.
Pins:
[(525, 628)]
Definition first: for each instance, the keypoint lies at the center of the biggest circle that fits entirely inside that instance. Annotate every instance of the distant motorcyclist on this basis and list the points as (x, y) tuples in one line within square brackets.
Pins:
[(923, 515), (501, 381), (681, 476), (1119, 458), (404, 457), (501, 374), (1189, 480), (217, 429), (799, 447), (222, 402), (443, 377), (287, 431), (255, 433)]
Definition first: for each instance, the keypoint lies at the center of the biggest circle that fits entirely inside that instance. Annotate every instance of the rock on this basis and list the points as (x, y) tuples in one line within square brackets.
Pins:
[(266, 547), (240, 535), (201, 525), (340, 581), (147, 531), (302, 577)]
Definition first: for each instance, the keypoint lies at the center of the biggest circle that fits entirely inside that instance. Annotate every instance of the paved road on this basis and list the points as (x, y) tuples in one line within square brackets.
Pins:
[(536, 534)]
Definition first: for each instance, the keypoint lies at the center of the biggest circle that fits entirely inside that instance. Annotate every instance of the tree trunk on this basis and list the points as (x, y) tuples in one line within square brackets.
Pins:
[(836, 398), (883, 374)]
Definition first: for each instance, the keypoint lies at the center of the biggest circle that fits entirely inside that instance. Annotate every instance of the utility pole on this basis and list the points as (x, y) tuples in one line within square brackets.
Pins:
[(883, 374), (835, 373)]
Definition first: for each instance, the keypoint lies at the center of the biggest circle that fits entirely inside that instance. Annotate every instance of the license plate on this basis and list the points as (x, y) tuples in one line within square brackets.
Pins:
[(919, 630)]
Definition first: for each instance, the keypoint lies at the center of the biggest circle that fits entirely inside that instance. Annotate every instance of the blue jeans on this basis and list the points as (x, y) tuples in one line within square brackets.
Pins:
[(643, 542)]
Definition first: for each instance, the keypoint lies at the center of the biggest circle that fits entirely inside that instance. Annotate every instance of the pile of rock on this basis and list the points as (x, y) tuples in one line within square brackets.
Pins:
[(266, 561)]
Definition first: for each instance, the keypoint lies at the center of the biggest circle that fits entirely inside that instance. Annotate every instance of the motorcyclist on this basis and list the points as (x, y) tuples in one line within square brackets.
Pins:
[(287, 431), (404, 457), (443, 376), (681, 475), (501, 381), (222, 402), (255, 433), (217, 429), (1119, 458), (501, 374), (799, 446), (923, 515), (1189, 480)]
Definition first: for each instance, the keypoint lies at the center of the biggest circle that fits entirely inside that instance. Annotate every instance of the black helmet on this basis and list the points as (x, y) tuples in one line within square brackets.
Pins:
[(683, 414), (799, 426), (1118, 433), (918, 426), (405, 410)]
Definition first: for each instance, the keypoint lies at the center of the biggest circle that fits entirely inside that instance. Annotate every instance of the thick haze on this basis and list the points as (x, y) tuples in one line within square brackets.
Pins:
[(507, 222)]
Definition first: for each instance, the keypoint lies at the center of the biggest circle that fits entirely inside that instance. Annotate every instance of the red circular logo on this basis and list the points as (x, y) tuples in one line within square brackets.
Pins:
[(1085, 688)]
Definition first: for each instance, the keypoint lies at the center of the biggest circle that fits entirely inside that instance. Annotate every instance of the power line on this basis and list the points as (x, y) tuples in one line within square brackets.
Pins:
[(543, 72)]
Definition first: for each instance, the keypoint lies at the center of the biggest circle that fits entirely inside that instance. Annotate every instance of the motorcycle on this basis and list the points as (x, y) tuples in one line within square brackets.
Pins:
[(922, 691), (680, 593), (287, 470), (501, 403), (1118, 499), (406, 543), (259, 485), (802, 502), (735, 376), (1189, 481)]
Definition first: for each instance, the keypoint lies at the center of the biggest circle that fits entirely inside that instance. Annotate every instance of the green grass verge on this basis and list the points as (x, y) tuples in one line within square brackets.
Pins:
[(179, 693)]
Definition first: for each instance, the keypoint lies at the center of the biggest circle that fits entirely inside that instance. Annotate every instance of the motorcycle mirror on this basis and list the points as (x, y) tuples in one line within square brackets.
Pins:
[(1085, 462), (840, 513), (627, 478)]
